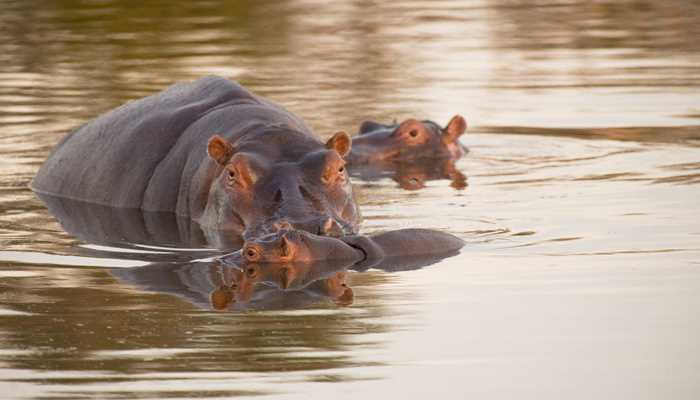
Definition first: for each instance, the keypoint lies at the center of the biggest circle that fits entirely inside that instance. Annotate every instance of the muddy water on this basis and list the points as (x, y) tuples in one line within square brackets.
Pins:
[(581, 277)]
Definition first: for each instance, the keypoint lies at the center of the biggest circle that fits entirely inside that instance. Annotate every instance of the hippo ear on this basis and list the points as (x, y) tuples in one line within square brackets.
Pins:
[(221, 298), (341, 143), (370, 126), (346, 298), (455, 128), (220, 149)]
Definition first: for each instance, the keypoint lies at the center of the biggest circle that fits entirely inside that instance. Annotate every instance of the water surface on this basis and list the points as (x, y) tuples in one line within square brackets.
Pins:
[(582, 270)]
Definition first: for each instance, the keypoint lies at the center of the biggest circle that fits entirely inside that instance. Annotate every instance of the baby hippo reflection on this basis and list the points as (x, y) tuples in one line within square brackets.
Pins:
[(413, 176), (263, 287)]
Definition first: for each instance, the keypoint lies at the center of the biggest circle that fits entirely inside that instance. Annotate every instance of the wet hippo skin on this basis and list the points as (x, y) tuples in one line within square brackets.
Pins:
[(287, 246), (212, 151)]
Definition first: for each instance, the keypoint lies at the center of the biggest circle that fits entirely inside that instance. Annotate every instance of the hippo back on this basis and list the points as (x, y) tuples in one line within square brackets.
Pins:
[(112, 159)]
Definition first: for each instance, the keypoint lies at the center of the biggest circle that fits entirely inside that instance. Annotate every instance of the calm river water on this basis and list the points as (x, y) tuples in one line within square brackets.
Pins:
[(581, 276)]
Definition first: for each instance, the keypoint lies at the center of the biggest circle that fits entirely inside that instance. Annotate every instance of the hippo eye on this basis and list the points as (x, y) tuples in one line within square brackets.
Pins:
[(341, 169), (231, 175), (251, 253), (413, 133)]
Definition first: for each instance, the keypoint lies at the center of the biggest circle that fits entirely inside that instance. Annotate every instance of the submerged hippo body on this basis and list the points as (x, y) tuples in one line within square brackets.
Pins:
[(212, 151)]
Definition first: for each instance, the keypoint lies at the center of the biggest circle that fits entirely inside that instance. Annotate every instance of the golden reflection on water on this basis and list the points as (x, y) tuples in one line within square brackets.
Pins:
[(580, 276)]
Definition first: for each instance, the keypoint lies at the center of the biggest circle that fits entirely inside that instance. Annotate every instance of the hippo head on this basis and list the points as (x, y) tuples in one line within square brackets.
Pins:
[(409, 140), (296, 246), (255, 192)]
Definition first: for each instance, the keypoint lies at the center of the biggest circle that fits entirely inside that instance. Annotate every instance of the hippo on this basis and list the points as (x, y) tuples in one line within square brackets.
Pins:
[(408, 141), (211, 151), (288, 245)]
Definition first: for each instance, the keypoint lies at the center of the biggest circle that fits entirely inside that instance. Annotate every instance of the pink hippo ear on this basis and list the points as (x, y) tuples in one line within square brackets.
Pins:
[(341, 143), (455, 128), (219, 149), (346, 298), (221, 298)]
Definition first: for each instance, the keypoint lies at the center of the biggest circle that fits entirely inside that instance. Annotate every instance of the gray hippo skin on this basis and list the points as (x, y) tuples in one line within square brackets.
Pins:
[(214, 152), (408, 141), (286, 246)]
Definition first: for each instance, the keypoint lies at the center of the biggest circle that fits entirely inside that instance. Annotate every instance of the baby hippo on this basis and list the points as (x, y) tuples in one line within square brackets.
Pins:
[(287, 246), (407, 141)]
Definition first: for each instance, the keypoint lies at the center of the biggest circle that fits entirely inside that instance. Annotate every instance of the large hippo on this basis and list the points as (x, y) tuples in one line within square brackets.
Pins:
[(212, 151)]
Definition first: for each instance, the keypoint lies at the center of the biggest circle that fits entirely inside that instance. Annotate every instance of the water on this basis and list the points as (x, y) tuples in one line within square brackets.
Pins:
[(582, 270)]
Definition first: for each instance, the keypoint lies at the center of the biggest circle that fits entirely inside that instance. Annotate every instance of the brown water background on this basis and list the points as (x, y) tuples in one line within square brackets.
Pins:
[(581, 277)]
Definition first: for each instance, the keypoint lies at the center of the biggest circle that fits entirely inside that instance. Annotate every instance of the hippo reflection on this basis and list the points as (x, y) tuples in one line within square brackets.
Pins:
[(210, 285), (129, 227), (413, 175)]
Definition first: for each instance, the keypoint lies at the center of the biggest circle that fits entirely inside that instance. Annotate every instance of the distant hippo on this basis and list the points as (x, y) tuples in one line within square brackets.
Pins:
[(214, 152), (408, 141), (293, 246)]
